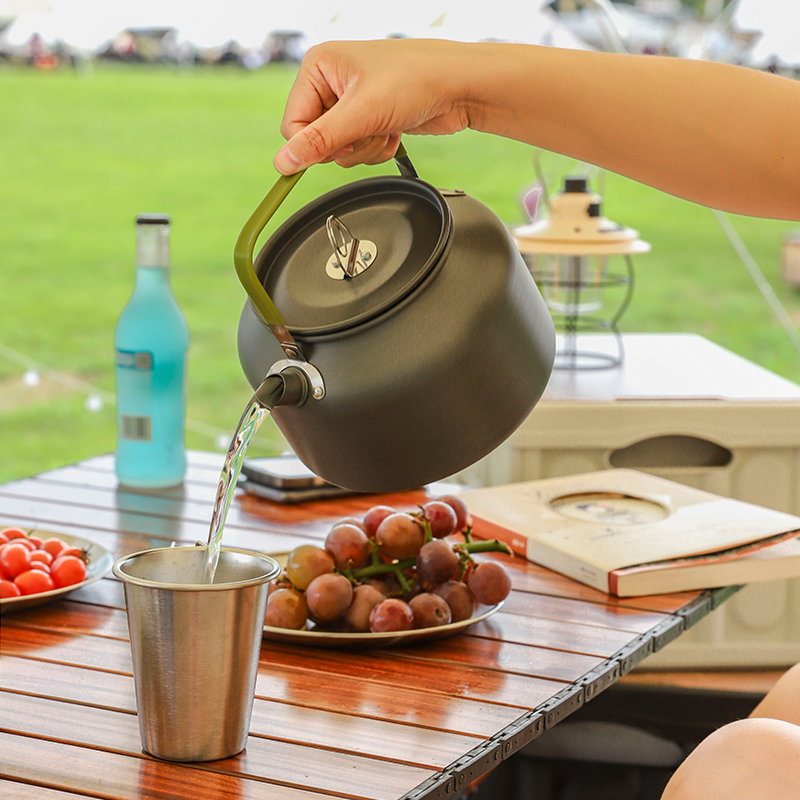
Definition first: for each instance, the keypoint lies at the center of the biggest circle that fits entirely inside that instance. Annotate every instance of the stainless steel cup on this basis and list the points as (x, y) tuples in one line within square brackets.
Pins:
[(195, 647)]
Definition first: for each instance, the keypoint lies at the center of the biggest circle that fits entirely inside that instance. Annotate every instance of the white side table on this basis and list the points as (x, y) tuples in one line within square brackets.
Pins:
[(689, 410)]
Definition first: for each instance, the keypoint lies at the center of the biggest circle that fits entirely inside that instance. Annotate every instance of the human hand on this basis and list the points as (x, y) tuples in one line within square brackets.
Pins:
[(351, 101)]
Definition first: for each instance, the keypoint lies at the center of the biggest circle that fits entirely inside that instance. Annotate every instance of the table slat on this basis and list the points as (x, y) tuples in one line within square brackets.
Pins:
[(24, 791), (55, 765), (442, 677)]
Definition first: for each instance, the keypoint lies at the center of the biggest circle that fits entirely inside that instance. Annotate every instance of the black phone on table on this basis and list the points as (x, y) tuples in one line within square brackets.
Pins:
[(286, 479)]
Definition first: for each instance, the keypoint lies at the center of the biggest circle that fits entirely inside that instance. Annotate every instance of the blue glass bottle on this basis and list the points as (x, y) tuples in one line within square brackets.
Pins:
[(151, 341)]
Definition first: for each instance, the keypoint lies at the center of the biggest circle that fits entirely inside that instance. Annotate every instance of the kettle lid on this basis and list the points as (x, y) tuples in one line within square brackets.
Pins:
[(354, 253)]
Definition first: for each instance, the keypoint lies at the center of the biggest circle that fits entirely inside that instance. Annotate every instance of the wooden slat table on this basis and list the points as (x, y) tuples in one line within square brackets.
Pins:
[(415, 722)]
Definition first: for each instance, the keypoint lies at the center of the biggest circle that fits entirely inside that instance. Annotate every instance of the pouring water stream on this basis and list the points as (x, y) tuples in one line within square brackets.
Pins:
[(266, 397)]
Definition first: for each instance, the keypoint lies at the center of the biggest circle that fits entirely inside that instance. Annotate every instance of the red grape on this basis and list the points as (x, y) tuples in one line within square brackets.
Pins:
[(391, 615), (365, 598), (328, 596), (441, 517), (489, 582), (349, 545), (437, 562), (460, 599), (400, 536), (286, 608), (374, 517), (463, 518), (430, 611), (305, 563)]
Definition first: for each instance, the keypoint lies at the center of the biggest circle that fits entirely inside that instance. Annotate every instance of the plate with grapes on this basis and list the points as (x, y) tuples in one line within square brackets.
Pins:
[(321, 637), (400, 552)]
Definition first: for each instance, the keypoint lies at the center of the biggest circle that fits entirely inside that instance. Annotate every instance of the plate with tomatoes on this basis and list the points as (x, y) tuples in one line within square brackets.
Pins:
[(37, 566)]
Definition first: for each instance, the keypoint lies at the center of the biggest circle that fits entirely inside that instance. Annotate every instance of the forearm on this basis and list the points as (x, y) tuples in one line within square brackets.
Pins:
[(727, 137), (724, 136)]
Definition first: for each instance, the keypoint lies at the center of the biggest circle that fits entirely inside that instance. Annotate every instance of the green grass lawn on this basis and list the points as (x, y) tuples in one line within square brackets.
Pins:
[(82, 155)]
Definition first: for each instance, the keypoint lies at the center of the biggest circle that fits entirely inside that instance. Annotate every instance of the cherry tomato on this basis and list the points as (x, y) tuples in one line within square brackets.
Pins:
[(36, 541), (3, 538), (75, 551), (14, 533), (67, 571), (14, 558), (34, 581), (41, 566), (43, 556), (25, 543), (9, 589), (54, 546)]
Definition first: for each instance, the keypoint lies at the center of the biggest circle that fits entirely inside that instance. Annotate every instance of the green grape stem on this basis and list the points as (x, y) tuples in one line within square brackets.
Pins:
[(426, 524), (397, 568), (485, 546)]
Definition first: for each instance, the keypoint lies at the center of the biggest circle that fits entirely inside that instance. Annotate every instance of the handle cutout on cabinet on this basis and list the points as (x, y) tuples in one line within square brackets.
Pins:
[(671, 451)]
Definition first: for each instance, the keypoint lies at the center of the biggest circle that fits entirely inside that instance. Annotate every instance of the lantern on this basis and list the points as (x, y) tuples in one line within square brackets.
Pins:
[(571, 255)]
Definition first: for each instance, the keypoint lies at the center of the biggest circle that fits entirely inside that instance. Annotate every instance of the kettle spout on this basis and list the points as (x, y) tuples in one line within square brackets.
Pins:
[(300, 379), (289, 387)]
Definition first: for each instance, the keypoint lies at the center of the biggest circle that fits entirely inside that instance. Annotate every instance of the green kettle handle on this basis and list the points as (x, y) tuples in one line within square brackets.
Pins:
[(245, 244)]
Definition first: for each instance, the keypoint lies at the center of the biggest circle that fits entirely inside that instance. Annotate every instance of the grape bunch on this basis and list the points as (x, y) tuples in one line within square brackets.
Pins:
[(390, 571)]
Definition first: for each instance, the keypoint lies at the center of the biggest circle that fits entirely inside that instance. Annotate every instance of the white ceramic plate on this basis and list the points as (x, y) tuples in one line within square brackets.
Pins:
[(100, 563)]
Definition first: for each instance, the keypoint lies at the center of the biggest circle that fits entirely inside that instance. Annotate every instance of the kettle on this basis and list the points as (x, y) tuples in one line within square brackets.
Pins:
[(411, 338)]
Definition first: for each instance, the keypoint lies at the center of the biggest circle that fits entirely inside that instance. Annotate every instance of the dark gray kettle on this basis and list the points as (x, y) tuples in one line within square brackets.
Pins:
[(411, 338)]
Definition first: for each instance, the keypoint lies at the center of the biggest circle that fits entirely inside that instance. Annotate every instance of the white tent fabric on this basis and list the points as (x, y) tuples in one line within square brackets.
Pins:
[(506, 20), (89, 24), (637, 30), (779, 23), (81, 24)]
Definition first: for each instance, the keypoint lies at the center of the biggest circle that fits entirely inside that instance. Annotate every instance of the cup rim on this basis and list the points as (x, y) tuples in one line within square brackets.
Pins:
[(273, 572)]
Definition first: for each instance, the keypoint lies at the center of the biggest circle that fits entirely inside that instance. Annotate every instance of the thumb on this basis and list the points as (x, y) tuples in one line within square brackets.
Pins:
[(313, 144), (321, 140)]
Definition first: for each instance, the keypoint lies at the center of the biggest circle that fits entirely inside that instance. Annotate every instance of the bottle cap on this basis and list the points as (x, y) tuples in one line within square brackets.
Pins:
[(153, 219), (152, 240), (574, 185)]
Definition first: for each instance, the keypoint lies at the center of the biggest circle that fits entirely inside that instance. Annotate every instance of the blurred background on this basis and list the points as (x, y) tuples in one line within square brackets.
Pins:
[(111, 109)]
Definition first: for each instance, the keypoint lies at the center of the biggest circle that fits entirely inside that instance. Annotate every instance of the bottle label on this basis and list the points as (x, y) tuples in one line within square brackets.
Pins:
[(135, 385), (130, 359), (137, 429)]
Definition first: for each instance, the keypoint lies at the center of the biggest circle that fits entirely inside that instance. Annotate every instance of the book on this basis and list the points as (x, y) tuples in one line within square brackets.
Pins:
[(630, 533)]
